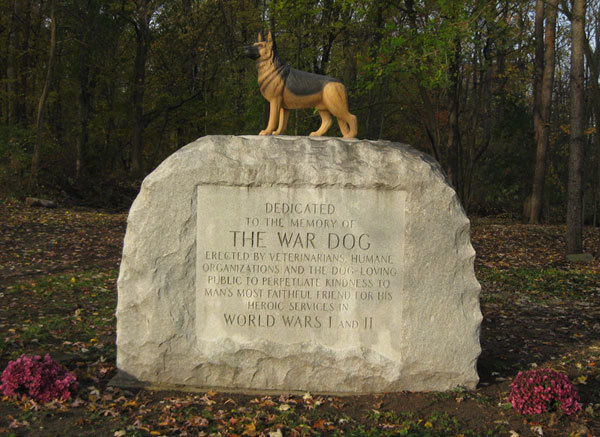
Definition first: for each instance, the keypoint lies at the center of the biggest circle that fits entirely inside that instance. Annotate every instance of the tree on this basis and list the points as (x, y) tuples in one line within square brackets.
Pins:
[(39, 124), (593, 62), (85, 29), (17, 61), (131, 81), (575, 185), (140, 19), (11, 64), (543, 82)]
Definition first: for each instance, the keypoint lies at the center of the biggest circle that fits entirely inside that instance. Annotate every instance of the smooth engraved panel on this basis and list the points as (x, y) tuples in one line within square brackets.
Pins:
[(293, 264)]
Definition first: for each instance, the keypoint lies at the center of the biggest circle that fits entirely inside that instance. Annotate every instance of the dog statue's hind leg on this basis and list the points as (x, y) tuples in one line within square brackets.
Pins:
[(336, 101), (348, 125), (326, 122)]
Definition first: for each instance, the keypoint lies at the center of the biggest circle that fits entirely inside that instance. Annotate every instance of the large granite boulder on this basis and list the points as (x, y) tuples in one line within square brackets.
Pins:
[(298, 264)]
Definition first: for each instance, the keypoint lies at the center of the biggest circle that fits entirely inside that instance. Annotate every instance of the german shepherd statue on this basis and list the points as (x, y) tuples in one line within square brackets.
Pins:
[(286, 88)]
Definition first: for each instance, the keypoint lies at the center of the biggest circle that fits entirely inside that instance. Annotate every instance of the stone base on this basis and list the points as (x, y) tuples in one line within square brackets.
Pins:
[(295, 264)]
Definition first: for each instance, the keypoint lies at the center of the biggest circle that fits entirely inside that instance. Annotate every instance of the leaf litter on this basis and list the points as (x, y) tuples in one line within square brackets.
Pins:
[(58, 272)]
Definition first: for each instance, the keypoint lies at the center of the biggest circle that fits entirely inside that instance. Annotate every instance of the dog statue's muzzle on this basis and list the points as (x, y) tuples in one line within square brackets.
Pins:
[(251, 52)]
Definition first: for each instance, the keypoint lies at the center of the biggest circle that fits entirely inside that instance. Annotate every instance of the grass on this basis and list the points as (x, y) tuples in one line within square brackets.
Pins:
[(542, 284), (66, 315)]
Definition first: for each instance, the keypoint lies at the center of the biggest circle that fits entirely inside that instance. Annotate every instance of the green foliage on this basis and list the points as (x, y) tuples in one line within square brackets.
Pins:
[(452, 78), (423, 51), (500, 183), (16, 145)]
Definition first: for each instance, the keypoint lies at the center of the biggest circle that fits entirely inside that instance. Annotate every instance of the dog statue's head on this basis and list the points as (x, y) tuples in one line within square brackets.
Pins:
[(261, 49)]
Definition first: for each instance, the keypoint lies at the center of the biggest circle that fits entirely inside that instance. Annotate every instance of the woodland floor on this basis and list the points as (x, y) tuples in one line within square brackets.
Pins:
[(58, 271)]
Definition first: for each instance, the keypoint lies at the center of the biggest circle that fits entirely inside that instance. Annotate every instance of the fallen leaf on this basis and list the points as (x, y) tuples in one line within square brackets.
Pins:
[(538, 430), (320, 425), (581, 380), (78, 402), (198, 421), (206, 400), (130, 404), (16, 424)]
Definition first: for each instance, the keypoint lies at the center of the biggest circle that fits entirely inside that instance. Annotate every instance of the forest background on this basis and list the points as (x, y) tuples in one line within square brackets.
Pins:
[(96, 93)]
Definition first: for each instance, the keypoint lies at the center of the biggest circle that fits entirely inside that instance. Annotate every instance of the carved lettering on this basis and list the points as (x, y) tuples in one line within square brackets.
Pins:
[(275, 266)]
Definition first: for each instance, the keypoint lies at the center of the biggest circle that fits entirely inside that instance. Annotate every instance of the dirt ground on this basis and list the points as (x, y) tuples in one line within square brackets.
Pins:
[(57, 287)]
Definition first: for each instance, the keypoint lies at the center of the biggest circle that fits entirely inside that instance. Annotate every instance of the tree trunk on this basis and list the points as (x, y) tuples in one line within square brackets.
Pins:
[(575, 187), (39, 125), (592, 62), (17, 64), (538, 66), (454, 144), (25, 64), (84, 115), (142, 32), (87, 12), (430, 122), (11, 66), (542, 110)]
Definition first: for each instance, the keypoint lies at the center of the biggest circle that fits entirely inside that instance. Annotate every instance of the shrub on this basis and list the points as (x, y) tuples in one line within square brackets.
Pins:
[(41, 379), (537, 391)]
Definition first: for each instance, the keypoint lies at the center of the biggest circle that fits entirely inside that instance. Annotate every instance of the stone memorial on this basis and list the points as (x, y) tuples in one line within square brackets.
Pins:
[(297, 264)]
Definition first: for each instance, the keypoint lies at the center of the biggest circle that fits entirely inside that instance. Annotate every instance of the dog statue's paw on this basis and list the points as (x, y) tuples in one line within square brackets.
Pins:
[(264, 132)]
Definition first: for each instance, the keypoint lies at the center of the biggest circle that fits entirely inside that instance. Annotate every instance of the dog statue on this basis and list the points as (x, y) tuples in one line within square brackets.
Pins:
[(286, 88)]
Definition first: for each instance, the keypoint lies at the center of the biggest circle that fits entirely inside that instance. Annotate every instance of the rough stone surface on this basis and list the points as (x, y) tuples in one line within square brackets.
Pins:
[(426, 337)]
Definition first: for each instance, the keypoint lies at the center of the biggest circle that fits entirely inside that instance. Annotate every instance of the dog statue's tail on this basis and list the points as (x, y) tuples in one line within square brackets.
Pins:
[(336, 101)]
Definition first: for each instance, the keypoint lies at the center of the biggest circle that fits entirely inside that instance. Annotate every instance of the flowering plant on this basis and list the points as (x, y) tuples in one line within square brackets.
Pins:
[(535, 391), (42, 379)]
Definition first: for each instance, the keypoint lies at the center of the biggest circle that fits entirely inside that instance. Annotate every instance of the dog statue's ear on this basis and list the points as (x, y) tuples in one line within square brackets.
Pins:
[(260, 38), (271, 40)]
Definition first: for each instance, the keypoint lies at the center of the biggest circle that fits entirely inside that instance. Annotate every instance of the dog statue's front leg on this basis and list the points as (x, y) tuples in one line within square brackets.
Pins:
[(273, 117), (283, 120)]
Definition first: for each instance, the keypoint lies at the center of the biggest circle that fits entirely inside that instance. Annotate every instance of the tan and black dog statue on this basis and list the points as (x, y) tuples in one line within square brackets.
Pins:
[(286, 88)]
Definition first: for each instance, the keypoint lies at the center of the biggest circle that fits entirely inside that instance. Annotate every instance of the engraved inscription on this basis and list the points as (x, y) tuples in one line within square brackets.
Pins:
[(297, 264)]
